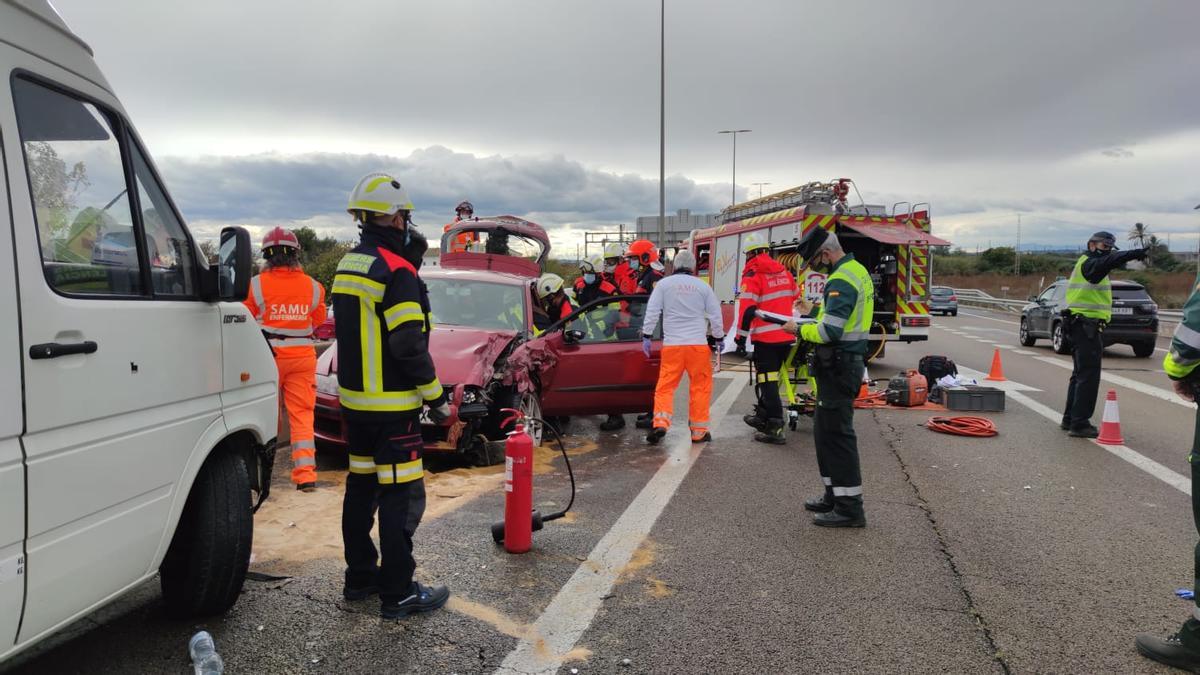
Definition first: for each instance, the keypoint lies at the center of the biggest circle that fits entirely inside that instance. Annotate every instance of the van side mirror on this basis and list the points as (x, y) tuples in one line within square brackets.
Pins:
[(572, 336), (233, 269)]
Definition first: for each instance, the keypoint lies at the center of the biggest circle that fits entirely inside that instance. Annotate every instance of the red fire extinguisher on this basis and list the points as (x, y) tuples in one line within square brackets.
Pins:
[(518, 485)]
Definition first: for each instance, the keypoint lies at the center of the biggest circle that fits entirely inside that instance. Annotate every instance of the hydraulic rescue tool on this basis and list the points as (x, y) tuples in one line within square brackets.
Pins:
[(521, 520)]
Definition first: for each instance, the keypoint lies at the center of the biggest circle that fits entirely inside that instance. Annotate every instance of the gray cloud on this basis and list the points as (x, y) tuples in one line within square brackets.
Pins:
[(1117, 153)]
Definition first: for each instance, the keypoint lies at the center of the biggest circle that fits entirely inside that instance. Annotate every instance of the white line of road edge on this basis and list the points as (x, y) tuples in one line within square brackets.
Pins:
[(572, 610), (1175, 480), (1120, 381)]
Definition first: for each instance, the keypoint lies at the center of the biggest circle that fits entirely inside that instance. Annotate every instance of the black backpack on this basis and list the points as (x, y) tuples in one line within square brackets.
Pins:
[(935, 367)]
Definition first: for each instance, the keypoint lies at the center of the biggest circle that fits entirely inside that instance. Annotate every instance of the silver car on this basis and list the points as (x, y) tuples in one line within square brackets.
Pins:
[(942, 300)]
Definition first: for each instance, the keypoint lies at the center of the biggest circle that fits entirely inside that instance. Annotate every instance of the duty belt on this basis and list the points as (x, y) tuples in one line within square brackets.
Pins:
[(277, 340)]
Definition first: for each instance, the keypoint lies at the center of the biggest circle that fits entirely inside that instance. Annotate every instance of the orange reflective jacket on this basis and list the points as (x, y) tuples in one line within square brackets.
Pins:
[(288, 304), (463, 241), (769, 286)]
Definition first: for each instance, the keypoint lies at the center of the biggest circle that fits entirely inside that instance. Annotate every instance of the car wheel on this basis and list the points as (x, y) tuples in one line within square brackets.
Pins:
[(954, 312), (1058, 340), (1143, 350), (1027, 340), (531, 406), (205, 566)]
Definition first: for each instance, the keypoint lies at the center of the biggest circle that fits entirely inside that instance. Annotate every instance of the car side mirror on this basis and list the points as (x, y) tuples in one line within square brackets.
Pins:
[(233, 267), (572, 336)]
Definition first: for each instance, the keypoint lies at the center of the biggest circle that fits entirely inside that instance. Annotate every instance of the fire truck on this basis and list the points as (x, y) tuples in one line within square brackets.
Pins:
[(893, 244)]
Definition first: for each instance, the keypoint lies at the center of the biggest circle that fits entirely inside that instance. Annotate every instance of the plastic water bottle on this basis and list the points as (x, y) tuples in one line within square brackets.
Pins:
[(205, 659)]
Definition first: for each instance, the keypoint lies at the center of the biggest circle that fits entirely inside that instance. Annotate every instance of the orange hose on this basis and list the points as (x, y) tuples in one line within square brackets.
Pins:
[(979, 427)]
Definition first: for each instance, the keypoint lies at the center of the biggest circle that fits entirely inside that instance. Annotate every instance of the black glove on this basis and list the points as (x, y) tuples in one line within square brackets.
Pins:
[(740, 342), (714, 343), (1142, 254)]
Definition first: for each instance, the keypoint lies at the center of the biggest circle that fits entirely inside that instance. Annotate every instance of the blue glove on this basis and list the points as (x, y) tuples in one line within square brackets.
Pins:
[(646, 346)]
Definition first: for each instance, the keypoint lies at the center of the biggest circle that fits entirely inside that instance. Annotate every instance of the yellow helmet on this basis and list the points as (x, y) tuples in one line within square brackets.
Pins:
[(594, 263), (613, 250), (548, 284), (379, 193), (753, 242)]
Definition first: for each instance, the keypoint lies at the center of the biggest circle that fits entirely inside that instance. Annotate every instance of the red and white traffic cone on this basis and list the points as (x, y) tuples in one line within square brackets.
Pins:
[(1110, 426)]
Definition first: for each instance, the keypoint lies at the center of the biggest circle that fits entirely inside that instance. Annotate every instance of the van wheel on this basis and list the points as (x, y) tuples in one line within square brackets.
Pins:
[(1058, 340), (205, 566), (1143, 350), (1027, 339)]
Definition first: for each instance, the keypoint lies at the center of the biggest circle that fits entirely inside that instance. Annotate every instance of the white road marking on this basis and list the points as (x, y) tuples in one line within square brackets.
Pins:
[(1023, 351), (572, 610), (1141, 387), (997, 345), (1175, 480), (981, 378), (989, 318)]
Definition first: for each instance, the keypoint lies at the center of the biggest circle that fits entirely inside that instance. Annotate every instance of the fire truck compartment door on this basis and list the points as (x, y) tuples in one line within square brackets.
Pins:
[(890, 233)]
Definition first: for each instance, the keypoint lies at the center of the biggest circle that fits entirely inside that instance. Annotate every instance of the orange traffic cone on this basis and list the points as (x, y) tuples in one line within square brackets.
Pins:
[(997, 374), (1110, 427), (865, 390)]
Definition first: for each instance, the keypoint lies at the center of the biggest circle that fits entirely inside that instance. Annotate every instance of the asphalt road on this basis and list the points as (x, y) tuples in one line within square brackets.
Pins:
[(1028, 552)]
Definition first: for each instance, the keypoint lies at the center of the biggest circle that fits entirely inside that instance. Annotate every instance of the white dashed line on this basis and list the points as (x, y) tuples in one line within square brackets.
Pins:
[(1138, 386)]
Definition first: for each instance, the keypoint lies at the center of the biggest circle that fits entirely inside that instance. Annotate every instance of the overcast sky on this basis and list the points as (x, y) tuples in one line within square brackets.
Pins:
[(1079, 115)]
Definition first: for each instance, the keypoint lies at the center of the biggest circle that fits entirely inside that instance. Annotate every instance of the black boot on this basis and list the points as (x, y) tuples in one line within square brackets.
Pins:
[(613, 423), (772, 434), (1065, 424), (822, 504), (756, 421), (834, 519), (421, 599), (1169, 650), (655, 435), (644, 421), (1085, 431)]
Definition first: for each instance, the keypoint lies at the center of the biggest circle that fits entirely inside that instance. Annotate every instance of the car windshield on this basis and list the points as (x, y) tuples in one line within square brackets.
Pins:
[(476, 304), (941, 290)]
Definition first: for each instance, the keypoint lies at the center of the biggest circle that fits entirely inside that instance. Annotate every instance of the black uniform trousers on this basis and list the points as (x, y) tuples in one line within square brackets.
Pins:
[(400, 506), (834, 437), (1189, 634), (1084, 386), (768, 359)]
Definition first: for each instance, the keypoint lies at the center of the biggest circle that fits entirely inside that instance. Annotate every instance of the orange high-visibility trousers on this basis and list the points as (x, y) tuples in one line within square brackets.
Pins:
[(696, 361), (298, 387)]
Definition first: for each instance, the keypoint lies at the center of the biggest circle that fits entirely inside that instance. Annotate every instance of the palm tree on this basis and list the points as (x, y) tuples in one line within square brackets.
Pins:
[(1139, 233)]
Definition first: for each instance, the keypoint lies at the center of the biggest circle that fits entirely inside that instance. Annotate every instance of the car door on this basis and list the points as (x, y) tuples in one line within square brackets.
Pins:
[(12, 464), (598, 365), (122, 360), (1040, 315)]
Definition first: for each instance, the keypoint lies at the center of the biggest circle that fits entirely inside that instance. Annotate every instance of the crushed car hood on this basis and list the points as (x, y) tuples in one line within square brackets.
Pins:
[(461, 355)]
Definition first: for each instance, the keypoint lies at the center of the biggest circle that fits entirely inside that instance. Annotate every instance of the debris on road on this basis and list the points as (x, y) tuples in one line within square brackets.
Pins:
[(1185, 594)]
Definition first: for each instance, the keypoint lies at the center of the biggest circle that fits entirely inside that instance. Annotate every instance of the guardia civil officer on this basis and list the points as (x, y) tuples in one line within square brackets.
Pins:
[(1182, 649), (385, 378), (1089, 309), (840, 344)]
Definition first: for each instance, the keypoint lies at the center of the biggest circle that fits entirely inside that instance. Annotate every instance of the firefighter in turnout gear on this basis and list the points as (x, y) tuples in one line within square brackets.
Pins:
[(465, 240), (768, 286), (840, 345), (592, 283), (646, 271), (1089, 309), (1182, 650), (553, 300), (616, 269), (288, 304), (385, 378), (692, 328)]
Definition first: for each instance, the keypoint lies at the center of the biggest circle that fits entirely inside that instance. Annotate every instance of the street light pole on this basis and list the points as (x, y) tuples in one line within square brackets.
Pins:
[(733, 186), (760, 186), (662, 123)]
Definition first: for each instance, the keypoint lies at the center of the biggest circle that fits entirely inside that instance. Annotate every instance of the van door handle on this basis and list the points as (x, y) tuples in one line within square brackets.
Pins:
[(53, 350)]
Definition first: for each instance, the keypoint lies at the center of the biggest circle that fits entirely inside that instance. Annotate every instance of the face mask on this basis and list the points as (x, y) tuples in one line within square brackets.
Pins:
[(610, 267), (634, 264), (589, 278), (822, 266)]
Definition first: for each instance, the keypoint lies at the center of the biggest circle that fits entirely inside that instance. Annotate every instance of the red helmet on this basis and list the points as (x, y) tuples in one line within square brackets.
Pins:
[(280, 237), (643, 250), (464, 206)]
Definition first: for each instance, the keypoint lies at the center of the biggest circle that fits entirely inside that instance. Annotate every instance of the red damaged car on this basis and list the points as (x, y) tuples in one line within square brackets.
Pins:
[(488, 355)]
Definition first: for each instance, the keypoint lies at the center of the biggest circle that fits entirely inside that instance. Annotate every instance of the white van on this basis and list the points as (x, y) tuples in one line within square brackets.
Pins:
[(138, 396)]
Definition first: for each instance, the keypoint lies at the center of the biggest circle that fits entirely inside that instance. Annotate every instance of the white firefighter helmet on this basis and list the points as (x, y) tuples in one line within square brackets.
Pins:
[(379, 193), (754, 241), (593, 263), (548, 284), (613, 250)]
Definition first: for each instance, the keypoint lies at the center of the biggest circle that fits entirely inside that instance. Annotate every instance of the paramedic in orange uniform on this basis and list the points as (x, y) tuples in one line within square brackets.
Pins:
[(288, 304), (464, 241), (692, 327)]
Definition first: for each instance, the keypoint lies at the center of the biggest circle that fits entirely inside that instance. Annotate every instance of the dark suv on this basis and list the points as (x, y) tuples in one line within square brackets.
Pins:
[(1134, 318)]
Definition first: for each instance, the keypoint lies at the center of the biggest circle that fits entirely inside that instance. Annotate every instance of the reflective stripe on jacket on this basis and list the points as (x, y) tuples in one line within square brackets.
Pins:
[(847, 308), (288, 304), (1087, 299)]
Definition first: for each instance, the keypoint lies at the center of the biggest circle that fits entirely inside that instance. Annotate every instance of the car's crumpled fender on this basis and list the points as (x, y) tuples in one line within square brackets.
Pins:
[(529, 358)]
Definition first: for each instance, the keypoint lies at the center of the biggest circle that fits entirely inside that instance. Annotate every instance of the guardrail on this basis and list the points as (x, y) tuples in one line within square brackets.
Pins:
[(974, 296)]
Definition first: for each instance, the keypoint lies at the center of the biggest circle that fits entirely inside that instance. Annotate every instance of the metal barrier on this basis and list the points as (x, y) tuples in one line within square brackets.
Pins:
[(976, 297)]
